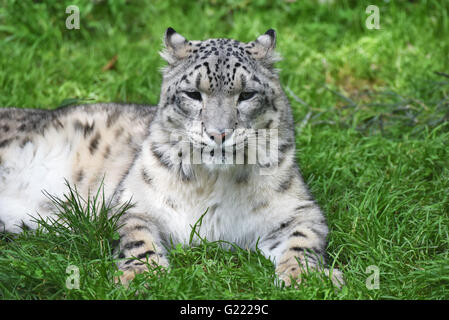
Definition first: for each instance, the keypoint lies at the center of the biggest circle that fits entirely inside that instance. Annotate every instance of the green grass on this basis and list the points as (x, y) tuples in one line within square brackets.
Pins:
[(371, 108)]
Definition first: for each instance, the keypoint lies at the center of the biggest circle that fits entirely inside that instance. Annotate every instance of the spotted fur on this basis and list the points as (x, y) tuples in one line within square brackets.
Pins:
[(188, 159)]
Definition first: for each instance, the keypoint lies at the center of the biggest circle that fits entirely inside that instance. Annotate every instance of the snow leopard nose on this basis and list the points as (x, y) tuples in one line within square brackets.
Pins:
[(219, 136)]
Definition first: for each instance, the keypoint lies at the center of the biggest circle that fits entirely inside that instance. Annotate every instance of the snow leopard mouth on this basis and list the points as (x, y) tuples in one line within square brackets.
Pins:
[(245, 149)]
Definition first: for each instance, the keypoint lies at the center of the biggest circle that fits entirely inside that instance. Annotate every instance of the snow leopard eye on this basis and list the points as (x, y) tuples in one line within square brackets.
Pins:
[(246, 95), (195, 95)]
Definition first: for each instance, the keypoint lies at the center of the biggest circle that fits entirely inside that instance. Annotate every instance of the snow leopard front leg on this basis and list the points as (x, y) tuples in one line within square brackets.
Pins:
[(140, 242), (297, 245)]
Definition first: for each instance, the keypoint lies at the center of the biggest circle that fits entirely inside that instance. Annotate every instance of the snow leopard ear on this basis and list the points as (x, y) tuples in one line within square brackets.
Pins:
[(176, 47), (263, 48)]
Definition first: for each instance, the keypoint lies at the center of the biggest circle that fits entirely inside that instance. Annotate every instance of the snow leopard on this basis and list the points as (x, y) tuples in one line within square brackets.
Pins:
[(219, 148)]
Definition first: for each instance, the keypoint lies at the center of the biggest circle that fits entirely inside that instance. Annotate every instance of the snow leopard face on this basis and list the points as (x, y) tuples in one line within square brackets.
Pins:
[(218, 94)]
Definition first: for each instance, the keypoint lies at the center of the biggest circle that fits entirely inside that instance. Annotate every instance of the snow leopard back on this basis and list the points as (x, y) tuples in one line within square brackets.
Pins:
[(42, 150)]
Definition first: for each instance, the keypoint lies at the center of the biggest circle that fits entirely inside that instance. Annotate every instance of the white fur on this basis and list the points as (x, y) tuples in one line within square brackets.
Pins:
[(41, 165), (227, 207)]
